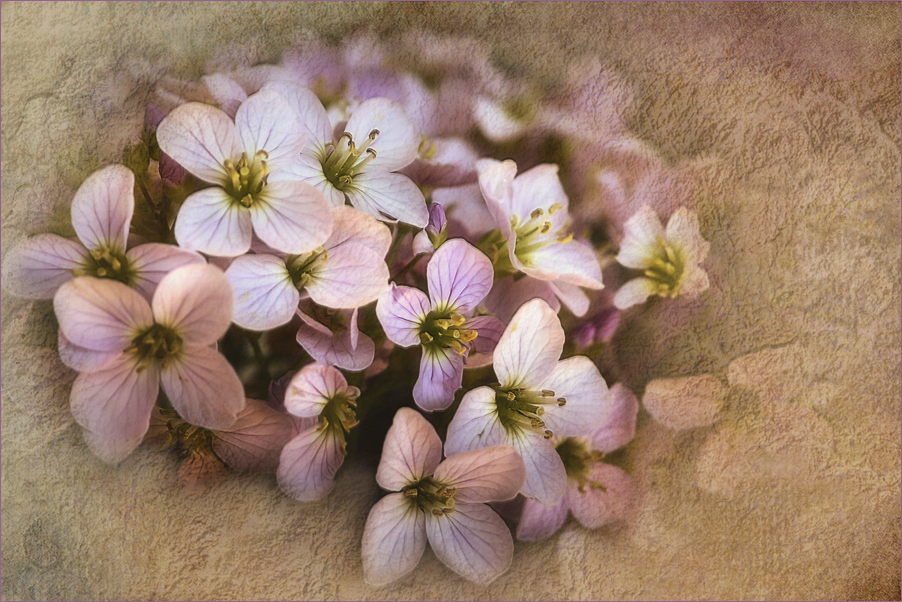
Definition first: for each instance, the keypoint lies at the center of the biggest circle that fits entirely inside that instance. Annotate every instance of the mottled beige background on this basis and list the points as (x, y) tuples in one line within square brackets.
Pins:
[(794, 492)]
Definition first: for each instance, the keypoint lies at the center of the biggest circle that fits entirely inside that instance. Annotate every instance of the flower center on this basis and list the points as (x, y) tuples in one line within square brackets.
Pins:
[(342, 161), (340, 415), (444, 329), (666, 270), (520, 408), (105, 262), (185, 438), (246, 178), (536, 233), (576, 455), (431, 496), (303, 268), (157, 344)]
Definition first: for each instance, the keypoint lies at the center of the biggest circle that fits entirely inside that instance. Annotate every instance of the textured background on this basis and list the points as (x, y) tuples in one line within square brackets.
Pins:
[(793, 109)]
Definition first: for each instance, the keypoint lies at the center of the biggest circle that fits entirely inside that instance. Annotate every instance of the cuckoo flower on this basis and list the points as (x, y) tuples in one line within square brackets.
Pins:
[(459, 276), (135, 347), (530, 211), (359, 166), (310, 460), (537, 397), (331, 337), (101, 213), (443, 502), (249, 161), (346, 272), (597, 493), (670, 258)]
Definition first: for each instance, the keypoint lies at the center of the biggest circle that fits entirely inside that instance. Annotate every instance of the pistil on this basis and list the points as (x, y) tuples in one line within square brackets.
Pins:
[(343, 161), (155, 345), (521, 408)]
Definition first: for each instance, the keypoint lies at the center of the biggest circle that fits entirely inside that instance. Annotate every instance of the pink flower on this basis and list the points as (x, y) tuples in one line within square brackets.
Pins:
[(443, 502), (332, 337), (126, 349)]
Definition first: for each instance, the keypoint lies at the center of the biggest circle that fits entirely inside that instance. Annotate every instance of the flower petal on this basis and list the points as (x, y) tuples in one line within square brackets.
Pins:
[(265, 296), (310, 111), (308, 464), (472, 541), (496, 183), (642, 233), (82, 358), (292, 217), (267, 122), (197, 301), (459, 276), (102, 315), (492, 474), (200, 138), (507, 295), (393, 540), (539, 187), (204, 388), (401, 310), (634, 292), (311, 388), (573, 262), (254, 443), (620, 426), (36, 267), (572, 296), (588, 403), (683, 232), (210, 221), (352, 276), (475, 424), (152, 261), (441, 372), (398, 139), (226, 92), (546, 478), (529, 347), (389, 197), (412, 450), (346, 348), (599, 506), (103, 206), (539, 521), (482, 349), (354, 227)]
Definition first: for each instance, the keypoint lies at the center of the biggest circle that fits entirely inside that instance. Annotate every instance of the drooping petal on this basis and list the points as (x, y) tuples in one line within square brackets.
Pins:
[(196, 300), (496, 183), (82, 358), (539, 521), (482, 349), (529, 347), (200, 138), (311, 388), (588, 403), (309, 462), (152, 261), (203, 388), (441, 372), (103, 206), (265, 296), (346, 347), (573, 262), (640, 239), (210, 221), (354, 227), (226, 92), (634, 292), (352, 276), (398, 139), (102, 315), (546, 478), (620, 426), (254, 443), (492, 474), (310, 111), (572, 296), (291, 216), (475, 424), (472, 541), (389, 197), (267, 122), (393, 540), (610, 496), (401, 310), (36, 267), (459, 276), (412, 450)]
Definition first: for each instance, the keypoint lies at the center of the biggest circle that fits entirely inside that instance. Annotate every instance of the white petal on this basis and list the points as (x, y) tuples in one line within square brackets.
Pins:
[(203, 388), (546, 478), (497, 125), (401, 310), (389, 197), (642, 233), (620, 426), (103, 206), (459, 276), (266, 121), (226, 92), (352, 226), (496, 183), (683, 232), (398, 139), (588, 403), (254, 443), (530, 346), (634, 292), (412, 450), (311, 388), (493, 474), (308, 464), (352, 276), (475, 424), (308, 168), (196, 300), (210, 221), (393, 540), (539, 188), (152, 261), (103, 315), (36, 267), (308, 107), (694, 281), (539, 521), (573, 262), (82, 358), (292, 217), (441, 372), (472, 541), (200, 138), (572, 296), (265, 296)]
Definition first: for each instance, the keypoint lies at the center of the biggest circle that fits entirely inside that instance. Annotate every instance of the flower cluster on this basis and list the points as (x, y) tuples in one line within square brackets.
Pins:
[(340, 241)]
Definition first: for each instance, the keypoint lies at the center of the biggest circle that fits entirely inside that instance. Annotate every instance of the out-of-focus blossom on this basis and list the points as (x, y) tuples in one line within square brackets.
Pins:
[(331, 337), (459, 276), (538, 396), (101, 213), (435, 233), (442, 502), (126, 349), (596, 330), (670, 258), (684, 402), (597, 493), (250, 161)]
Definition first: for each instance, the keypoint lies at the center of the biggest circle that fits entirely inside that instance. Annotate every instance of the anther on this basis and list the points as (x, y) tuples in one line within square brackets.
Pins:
[(561, 401), (565, 239), (547, 393), (536, 213), (547, 434), (546, 228), (555, 207), (437, 512)]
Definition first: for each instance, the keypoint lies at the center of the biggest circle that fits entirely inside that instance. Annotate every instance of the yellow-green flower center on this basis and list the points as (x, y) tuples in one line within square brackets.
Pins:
[(342, 161), (157, 344), (247, 178), (444, 329), (106, 262), (520, 408), (666, 270), (576, 455), (340, 415), (431, 496), (303, 268)]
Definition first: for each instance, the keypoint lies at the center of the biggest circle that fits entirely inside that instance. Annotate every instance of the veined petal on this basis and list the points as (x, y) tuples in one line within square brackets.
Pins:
[(441, 372), (530, 347), (103, 206), (546, 478), (496, 183), (308, 464), (694, 281), (389, 197), (466, 210), (459, 276), (292, 217), (265, 296), (348, 348), (204, 388), (634, 292), (196, 300), (210, 221), (310, 111), (472, 541), (539, 521), (254, 443), (573, 262), (507, 295), (641, 234), (152, 261), (596, 506), (266, 121), (82, 358), (352, 276), (493, 474), (393, 540), (200, 138), (102, 315), (620, 426), (572, 296), (309, 169), (36, 267), (475, 424), (588, 403), (412, 450), (482, 349), (311, 388), (683, 232), (226, 92), (398, 139), (354, 227), (539, 187), (401, 310)]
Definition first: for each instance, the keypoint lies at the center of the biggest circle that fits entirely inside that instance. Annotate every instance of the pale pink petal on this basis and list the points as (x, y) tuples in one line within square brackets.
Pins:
[(254, 443), (683, 232), (212, 222), (102, 315), (311, 388), (546, 478), (266, 121), (642, 233), (466, 210), (472, 541), (507, 295), (308, 464), (492, 474), (37, 266), (308, 168), (475, 424), (401, 310), (539, 521), (539, 187), (347, 348), (389, 197), (152, 261), (412, 450), (114, 404), (354, 227), (393, 540), (200, 138), (441, 372), (352, 276), (496, 123), (634, 292), (82, 358), (572, 296), (308, 107), (599, 506), (684, 402), (694, 281), (398, 139), (620, 426), (421, 244), (196, 300), (459, 276), (103, 206), (265, 296), (496, 183), (573, 262), (482, 349), (530, 347), (292, 217), (203, 388), (588, 403), (226, 92)]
